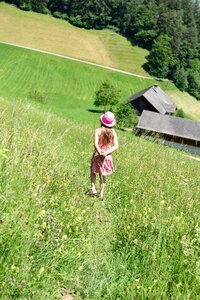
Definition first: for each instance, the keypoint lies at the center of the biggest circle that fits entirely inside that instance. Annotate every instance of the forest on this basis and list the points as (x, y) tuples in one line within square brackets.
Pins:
[(169, 29)]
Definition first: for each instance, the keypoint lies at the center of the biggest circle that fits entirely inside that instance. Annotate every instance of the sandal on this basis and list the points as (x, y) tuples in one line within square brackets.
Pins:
[(91, 193)]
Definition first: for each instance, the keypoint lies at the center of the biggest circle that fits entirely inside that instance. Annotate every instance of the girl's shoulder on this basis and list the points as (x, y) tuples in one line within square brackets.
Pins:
[(98, 130), (114, 132)]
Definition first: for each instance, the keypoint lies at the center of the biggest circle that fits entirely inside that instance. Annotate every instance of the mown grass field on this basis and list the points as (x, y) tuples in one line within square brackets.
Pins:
[(69, 86), (141, 242), (48, 33)]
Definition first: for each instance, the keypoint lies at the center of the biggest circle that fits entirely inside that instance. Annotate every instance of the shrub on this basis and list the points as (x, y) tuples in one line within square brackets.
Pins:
[(126, 115), (39, 97), (26, 6), (65, 17), (57, 14), (77, 21), (46, 11), (107, 96), (113, 28), (179, 113)]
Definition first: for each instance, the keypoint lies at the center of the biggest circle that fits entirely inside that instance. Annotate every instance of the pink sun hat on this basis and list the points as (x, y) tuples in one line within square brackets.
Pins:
[(108, 119)]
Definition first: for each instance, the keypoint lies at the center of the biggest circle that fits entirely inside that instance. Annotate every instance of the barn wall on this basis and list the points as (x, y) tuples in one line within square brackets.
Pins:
[(173, 141), (141, 104)]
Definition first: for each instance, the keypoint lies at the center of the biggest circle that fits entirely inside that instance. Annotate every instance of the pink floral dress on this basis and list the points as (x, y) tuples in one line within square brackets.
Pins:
[(102, 165)]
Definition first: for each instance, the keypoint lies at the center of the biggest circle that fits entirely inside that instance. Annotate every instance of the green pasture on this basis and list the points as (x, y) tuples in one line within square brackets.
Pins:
[(101, 46), (68, 86)]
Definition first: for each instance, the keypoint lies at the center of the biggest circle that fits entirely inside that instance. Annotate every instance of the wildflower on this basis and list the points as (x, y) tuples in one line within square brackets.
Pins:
[(41, 271), (44, 225), (138, 287), (42, 213), (24, 284), (14, 268), (10, 280)]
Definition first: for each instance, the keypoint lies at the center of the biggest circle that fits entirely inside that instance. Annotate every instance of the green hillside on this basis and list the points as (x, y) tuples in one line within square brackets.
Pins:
[(69, 86), (104, 47), (141, 242), (47, 33)]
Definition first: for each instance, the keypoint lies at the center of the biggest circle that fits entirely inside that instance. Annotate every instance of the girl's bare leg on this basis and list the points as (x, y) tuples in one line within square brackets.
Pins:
[(102, 186), (93, 180)]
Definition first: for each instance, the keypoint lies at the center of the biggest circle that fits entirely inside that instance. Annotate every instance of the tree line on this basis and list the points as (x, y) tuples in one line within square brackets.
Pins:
[(169, 29)]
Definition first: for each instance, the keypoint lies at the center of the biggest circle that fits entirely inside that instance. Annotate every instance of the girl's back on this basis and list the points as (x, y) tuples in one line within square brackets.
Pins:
[(106, 137)]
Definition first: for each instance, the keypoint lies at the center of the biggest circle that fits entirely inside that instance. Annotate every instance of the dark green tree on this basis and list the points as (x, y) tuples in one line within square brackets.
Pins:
[(161, 59), (140, 22), (62, 6), (180, 78), (39, 6), (194, 83), (92, 13), (196, 12)]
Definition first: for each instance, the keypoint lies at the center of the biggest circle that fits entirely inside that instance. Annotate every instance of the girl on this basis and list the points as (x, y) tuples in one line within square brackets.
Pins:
[(105, 142)]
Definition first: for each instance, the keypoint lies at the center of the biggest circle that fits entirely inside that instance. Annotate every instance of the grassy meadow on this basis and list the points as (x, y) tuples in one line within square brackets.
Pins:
[(141, 242)]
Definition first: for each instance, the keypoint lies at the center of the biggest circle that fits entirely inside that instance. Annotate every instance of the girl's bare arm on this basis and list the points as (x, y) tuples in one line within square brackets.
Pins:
[(96, 141), (115, 144)]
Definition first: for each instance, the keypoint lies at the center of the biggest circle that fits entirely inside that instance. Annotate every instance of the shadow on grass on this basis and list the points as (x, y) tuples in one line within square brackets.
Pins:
[(129, 130), (96, 111), (145, 66)]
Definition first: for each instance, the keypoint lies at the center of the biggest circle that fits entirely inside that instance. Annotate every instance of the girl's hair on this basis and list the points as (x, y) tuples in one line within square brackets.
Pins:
[(108, 135)]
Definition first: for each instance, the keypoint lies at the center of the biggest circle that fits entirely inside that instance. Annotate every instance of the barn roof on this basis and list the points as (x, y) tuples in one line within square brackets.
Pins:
[(158, 98), (170, 125)]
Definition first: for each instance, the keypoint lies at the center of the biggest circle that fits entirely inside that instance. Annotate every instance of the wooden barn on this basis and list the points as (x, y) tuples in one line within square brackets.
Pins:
[(153, 99), (170, 128)]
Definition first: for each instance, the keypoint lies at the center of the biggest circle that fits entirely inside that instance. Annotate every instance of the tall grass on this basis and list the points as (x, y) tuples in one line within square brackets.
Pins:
[(141, 242)]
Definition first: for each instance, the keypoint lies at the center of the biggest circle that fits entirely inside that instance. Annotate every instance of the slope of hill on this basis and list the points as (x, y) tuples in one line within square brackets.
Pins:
[(35, 30), (69, 86), (47, 33), (140, 243)]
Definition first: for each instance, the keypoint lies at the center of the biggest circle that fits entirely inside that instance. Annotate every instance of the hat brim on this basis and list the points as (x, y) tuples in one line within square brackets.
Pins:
[(107, 125)]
